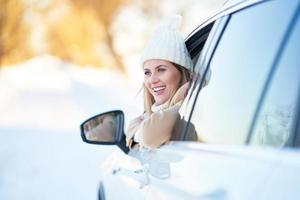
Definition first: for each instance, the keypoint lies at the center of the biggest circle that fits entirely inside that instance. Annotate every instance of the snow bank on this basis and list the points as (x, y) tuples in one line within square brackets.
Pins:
[(42, 103)]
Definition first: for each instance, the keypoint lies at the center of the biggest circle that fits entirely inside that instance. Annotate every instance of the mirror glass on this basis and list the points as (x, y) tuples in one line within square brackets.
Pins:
[(102, 128)]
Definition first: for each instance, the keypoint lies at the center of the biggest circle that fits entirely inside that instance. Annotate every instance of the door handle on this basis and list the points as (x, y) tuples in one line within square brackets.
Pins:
[(139, 175)]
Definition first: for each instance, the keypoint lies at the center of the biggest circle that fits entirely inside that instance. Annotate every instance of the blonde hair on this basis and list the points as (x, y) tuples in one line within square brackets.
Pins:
[(185, 76)]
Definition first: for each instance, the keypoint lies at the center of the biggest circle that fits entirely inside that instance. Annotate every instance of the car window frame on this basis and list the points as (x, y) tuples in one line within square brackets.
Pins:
[(204, 58), (195, 43)]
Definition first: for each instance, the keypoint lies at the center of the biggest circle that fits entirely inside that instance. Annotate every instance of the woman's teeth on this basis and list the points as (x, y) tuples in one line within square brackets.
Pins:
[(156, 89)]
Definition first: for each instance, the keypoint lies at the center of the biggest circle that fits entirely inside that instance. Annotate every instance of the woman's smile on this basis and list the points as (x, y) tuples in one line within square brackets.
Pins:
[(158, 90)]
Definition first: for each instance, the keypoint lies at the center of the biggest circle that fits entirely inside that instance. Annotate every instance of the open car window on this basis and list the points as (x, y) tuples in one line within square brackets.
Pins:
[(195, 45)]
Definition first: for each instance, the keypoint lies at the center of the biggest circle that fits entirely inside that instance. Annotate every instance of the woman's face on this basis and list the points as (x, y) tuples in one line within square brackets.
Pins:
[(161, 79)]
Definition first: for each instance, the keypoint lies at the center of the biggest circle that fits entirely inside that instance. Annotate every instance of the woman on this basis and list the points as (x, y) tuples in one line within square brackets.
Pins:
[(167, 70)]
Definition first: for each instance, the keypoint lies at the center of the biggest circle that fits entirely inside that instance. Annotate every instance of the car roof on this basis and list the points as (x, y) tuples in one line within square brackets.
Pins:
[(228, 7), (239, 4), (233, 2)]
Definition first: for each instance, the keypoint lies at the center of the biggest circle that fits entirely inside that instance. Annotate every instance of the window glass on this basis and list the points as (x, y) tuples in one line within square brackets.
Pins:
[(195, 45), (275, 121), (239, 68)]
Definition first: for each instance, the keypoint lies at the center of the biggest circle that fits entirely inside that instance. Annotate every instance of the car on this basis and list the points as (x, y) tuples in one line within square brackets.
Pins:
[(243, 104)]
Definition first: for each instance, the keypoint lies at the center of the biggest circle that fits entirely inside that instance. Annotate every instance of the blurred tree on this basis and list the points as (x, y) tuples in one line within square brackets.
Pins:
[(105, 10), (13, 32), (71, 36), (81, 33)]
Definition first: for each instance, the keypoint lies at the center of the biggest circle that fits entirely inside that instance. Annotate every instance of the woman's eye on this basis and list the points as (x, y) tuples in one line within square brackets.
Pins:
[(147, 73), (161, 70)]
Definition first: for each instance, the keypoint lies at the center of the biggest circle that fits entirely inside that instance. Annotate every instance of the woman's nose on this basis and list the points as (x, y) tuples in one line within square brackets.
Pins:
[(154, 78)]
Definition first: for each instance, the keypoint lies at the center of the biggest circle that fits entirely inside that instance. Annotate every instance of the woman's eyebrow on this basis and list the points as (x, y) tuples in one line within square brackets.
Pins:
[(161, 66)]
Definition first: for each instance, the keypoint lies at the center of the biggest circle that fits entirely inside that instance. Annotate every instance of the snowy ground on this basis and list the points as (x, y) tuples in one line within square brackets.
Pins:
[(42, 103)]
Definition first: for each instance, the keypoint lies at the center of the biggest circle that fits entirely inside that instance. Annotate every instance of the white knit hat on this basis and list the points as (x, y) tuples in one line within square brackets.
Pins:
[(167, 44)]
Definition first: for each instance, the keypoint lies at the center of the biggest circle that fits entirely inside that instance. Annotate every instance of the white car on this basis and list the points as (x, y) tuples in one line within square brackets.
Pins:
[(247, 116)]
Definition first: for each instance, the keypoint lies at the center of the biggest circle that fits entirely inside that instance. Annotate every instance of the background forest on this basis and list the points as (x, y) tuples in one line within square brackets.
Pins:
[(100, 33)]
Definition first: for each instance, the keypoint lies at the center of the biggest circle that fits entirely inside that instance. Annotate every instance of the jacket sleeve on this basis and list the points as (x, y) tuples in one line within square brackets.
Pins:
[(157, 129), (180, 94), (134, 127)]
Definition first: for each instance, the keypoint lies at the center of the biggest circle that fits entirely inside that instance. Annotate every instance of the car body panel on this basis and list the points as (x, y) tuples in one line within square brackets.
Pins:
[(197, 171)]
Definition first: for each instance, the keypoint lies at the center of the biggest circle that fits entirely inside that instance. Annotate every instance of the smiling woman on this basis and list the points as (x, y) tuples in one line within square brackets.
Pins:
[(161, 79), (167, 69)]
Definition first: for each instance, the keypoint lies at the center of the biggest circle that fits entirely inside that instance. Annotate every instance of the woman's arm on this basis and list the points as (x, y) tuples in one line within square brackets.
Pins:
[(157, 129), (133, 127)]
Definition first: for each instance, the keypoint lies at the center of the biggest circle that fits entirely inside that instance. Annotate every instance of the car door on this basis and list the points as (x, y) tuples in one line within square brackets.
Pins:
[(248, 55)]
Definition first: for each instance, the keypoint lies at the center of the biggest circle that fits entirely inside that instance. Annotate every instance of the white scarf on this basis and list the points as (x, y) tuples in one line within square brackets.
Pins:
[(157, 108)]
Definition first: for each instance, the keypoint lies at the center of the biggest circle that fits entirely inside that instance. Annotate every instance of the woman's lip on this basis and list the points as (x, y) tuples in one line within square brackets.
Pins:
[(159, 92)]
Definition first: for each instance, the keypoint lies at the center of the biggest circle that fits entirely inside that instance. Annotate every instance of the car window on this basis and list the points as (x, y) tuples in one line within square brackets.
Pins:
[(275, 122), (239, 68), (195, 43)]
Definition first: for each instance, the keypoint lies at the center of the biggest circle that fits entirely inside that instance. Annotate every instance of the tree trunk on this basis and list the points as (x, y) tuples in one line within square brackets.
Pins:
[(117, 58)]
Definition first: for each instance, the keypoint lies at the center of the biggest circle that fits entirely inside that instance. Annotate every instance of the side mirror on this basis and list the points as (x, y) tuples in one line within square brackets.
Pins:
[(106, 129)]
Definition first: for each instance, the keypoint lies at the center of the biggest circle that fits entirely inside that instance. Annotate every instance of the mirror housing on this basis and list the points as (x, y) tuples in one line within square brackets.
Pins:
[(105, 129)]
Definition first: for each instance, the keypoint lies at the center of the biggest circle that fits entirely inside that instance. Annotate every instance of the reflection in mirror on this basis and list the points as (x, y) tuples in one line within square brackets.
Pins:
[(102, 128)]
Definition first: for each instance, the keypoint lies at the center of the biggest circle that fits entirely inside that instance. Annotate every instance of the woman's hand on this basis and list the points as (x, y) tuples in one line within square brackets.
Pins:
[(133, 127), (180, 94)]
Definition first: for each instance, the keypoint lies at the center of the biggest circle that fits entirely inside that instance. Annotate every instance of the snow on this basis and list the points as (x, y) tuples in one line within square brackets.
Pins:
[(42, 103)]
